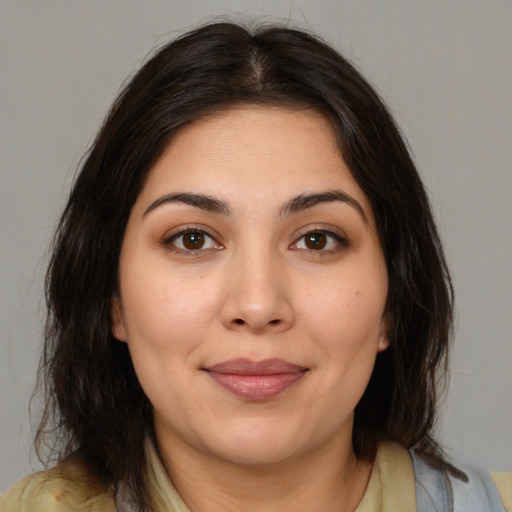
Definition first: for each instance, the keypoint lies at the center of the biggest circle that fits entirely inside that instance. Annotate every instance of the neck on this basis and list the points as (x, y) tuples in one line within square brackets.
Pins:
[(329, 479)]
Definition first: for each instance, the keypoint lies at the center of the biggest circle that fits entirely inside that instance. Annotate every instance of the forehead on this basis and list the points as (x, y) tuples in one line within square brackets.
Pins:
[(253, 152)]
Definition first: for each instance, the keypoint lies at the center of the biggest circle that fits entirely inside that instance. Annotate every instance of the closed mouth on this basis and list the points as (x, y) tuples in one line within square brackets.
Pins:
[(256, 380)]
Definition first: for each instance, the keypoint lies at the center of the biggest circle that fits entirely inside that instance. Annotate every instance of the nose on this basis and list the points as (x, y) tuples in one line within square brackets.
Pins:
[(257, 295)]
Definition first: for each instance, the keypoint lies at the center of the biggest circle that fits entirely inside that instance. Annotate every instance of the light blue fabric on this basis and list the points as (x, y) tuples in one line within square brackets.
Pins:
[(433, 489), (478, 494)]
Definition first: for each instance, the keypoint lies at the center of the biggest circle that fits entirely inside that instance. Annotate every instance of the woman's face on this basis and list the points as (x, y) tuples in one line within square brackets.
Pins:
[(252, 288)]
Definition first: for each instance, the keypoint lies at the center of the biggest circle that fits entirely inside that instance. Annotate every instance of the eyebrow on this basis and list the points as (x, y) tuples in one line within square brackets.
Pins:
[(202, 201), (295, 205), (306, 201)]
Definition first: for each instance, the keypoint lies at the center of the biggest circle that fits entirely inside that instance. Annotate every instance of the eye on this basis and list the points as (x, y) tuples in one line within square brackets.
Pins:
[(192, 240), (320, 241)]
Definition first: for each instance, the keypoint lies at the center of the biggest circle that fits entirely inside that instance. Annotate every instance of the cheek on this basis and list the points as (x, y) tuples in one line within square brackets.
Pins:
[(163, 309), (167, 321), (346, 312), (347, 327)]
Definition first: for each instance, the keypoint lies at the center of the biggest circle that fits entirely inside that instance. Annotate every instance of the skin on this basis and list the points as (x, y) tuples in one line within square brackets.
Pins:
[(257, 288)]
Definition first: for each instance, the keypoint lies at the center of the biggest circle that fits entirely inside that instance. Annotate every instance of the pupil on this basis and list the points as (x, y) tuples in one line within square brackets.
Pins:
[(316, 241), (193, 240)]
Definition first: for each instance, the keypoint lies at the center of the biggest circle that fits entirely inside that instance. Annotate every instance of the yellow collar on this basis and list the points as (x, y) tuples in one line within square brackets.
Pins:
[(390, 487)]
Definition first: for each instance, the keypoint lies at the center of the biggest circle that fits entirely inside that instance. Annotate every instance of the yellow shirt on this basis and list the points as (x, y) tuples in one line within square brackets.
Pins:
[(71, 487)]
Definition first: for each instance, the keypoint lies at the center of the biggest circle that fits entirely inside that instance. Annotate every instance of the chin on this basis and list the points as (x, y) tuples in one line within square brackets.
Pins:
[(257, 453), (257, 443)]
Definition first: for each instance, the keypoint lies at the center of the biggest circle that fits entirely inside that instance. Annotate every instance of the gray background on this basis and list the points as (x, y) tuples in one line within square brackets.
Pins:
[(444, 67)]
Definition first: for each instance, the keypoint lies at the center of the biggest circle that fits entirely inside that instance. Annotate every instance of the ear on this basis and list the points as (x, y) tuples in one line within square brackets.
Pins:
[(383, 343), (117, 319), (383, 336)]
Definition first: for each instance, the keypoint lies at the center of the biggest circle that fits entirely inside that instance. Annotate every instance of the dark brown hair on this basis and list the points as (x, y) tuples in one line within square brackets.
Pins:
[(94, 402)]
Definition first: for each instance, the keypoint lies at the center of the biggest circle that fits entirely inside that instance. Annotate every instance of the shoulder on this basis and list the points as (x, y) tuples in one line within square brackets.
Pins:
[(70, 486), (438, 491), (503, 482)]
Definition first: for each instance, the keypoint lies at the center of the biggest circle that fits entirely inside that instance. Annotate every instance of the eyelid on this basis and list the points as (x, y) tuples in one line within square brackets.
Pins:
[(331, 231), (168, 238)]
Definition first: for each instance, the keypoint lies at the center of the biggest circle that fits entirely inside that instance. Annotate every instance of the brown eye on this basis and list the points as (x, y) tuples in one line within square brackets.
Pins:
[(192, 240), (320, 241), (315, 241)]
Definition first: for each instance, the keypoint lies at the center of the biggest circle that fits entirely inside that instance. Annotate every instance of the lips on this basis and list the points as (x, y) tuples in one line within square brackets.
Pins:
[(256, 380)]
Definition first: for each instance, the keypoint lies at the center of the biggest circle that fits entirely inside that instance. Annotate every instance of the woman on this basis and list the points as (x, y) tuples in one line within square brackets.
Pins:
[(249, 306)]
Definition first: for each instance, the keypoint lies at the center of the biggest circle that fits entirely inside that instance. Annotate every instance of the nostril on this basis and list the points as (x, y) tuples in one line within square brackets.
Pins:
[(239, 321), (275, 322)]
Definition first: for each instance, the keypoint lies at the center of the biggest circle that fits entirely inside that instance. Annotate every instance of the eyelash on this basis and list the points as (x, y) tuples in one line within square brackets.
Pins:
[(339, 240), (169, 242)]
